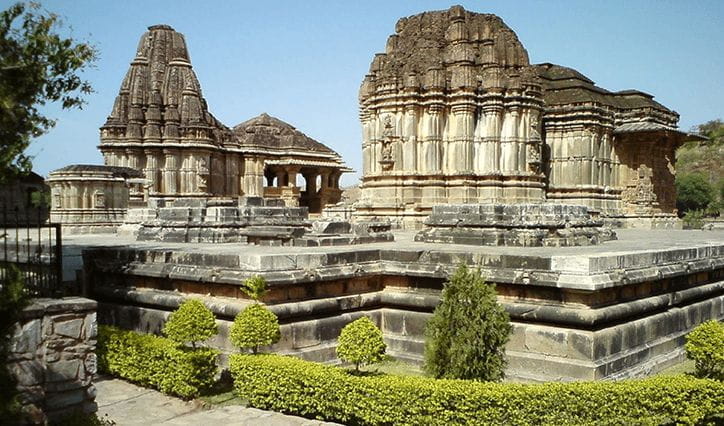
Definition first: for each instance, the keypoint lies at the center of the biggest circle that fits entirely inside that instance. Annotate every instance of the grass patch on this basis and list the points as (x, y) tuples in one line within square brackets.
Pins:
[(221, 394)]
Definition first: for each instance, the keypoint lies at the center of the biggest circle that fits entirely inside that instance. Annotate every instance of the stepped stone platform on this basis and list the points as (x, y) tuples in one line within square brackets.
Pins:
[(253, 220), (525, 225), (613, 310)]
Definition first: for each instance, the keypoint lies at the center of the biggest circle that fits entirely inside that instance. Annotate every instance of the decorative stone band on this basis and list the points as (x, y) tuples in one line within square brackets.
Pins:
[(527, 225)]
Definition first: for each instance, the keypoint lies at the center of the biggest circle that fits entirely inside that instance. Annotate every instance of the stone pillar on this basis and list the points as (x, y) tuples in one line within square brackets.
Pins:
[(281, 175), (53, 357), (509, 141), (431, 155), (311, 181), (170, 172), (291, 175), (409, 137), (490, 135), (459, 155), (325, 179), (232, 174), (253, 177), (151, 170)]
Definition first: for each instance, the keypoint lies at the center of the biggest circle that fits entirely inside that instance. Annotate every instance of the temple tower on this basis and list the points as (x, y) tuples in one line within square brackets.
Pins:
[(160, 124), (451, 113)]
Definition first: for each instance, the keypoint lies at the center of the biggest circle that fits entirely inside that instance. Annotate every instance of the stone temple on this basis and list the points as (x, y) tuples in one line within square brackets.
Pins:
[(453, 112), (161, 125), (518, 170)]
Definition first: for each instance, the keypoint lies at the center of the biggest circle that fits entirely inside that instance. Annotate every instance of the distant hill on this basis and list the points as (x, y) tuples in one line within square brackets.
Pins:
[(705, 157)]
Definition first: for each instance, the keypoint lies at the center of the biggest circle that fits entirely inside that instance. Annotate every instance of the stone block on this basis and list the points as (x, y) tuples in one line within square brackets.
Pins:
[(60, 400), (27, 373), (63, 370), (190, 202), (27, 337), (251, 201), (70, 328), (331, 227)]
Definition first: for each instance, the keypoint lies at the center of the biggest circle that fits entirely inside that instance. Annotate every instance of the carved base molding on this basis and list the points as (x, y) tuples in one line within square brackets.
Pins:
[(525, 225)]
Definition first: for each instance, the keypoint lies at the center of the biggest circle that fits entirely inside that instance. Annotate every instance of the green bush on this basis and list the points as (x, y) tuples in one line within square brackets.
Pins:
[(693, 192), (319, 391), (693, 219), (466, 335), (192, 322), (156, 362), (705, 346), (255, 326), (255, 287), (360, 342)]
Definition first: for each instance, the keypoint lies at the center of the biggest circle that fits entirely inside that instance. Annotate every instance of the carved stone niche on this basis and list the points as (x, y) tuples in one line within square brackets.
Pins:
[(99, 200), (534, 145), (639, 193), (387, 161)]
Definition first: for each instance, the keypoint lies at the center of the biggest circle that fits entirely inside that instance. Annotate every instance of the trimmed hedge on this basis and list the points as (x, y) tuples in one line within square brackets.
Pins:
[(319, 391), (156, 362)]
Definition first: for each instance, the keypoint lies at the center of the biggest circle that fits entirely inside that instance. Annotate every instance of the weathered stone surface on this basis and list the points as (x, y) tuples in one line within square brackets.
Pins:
[(28, 337), (525, 225), (69, 328), (331, 227), (53, 360)]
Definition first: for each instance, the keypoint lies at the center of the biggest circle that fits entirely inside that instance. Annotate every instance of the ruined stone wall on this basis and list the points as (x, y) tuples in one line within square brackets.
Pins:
[(52, 356)]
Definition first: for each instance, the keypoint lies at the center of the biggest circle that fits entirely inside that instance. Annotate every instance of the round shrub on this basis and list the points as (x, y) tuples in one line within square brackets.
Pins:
[(705, 346), (192, 322), (360, 342), (255, 326), (466, 335)]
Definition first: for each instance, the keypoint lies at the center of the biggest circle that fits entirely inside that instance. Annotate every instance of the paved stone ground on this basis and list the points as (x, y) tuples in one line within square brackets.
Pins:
[(128, 404)]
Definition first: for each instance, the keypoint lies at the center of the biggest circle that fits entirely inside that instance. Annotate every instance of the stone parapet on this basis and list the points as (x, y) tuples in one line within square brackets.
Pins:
[(52, 357)]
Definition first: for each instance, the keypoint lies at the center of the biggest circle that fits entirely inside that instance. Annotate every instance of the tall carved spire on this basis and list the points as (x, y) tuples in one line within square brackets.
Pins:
[(159, 94)]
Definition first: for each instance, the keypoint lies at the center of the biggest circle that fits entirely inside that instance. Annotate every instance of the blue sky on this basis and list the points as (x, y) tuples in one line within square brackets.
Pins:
[(303, 61)]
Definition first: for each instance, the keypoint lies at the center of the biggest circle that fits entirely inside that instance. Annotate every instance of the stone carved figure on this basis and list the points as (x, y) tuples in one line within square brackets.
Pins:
[(388, 137), (99, 200), (534, 148), (639, 192), (202, 175)]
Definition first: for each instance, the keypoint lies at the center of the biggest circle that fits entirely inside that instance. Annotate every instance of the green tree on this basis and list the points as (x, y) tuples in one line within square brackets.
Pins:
[(466, 335), (37, 66), (255, 326), (713, 129), (360, 342), (192, 322), (705, 346), (693, 192)]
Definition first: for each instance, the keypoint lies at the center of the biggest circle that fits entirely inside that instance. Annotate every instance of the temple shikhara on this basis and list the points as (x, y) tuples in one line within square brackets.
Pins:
[(161, 125), (454, 112)]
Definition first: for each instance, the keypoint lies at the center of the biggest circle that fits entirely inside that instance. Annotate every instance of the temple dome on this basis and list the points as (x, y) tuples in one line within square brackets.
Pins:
[(451, 48), (272, 133)]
